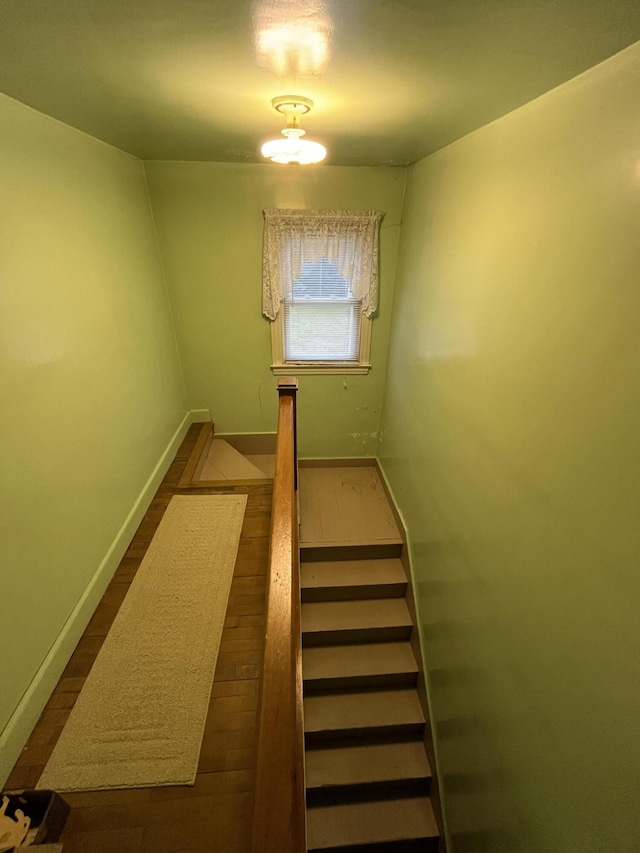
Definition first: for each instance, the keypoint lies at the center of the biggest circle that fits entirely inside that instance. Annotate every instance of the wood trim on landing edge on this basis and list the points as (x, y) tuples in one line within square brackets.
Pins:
[(205, 436)]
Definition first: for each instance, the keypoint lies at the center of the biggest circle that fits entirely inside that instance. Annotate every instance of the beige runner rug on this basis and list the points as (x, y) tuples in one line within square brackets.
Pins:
[(139, 719)]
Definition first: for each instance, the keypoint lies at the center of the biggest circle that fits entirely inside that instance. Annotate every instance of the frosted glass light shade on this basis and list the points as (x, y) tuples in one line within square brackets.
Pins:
[(293, 149)]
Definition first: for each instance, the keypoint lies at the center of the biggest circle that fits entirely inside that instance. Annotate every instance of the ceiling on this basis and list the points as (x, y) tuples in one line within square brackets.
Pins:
[(392, 80)]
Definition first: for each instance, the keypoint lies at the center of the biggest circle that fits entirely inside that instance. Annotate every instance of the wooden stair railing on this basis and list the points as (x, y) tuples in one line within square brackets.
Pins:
[(279, 820)]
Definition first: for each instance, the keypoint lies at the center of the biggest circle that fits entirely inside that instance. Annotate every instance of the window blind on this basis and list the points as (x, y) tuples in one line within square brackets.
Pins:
[(321, 318)]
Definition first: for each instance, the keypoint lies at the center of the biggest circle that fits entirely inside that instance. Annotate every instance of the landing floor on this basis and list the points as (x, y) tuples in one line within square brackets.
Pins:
[(216, 813), (345, 506)]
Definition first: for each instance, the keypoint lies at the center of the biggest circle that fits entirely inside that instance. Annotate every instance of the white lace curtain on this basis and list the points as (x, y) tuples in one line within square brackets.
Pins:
[(293, 237)]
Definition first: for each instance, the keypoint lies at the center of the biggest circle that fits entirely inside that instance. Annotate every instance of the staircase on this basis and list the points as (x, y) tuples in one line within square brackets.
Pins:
[(368, 779), (367, 774)]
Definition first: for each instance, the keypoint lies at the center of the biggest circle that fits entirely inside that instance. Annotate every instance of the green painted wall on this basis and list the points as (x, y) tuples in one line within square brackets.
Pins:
[(511, 440), (209, 218), (90, 378)]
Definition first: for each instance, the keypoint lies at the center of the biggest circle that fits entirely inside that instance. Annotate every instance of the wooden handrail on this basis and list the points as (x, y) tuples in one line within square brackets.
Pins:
[(279, 820)]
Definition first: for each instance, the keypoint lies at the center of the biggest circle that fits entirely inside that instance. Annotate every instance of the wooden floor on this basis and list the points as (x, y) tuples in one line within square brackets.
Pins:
[(215, 814)]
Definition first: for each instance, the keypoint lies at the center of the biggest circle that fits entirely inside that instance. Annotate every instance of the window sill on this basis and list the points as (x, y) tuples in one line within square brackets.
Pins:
[(329, 368)]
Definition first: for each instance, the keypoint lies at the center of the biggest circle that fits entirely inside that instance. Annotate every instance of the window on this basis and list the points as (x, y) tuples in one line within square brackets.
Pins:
[(320, 317), (320, 289)]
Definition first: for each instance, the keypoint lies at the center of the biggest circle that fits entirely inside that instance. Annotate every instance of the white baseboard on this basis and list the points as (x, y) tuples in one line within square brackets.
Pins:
[(16, 733), (420, 628)]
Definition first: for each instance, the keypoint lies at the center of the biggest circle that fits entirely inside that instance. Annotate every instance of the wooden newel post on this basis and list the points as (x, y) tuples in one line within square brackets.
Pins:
[(288, 386)]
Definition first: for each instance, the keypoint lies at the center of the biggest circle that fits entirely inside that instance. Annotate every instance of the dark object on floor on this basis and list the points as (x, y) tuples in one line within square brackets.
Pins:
[(47, 811)]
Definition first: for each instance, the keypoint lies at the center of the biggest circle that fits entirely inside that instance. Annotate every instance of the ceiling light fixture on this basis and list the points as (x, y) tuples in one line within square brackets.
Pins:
[(293, 149)]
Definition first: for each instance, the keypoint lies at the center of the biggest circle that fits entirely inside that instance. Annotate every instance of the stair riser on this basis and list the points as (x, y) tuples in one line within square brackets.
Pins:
[(349, 593), (421, 845), (394, 633), (331, 795), (320, 553), (370, 734), (393, 679)]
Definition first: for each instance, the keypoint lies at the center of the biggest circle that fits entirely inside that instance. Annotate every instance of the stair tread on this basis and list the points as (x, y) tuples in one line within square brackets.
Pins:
[(370, 822), (351, 573), (224, 462), (357, 765), (354, 614), (353, 660), (361, 710), (265, 462)]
